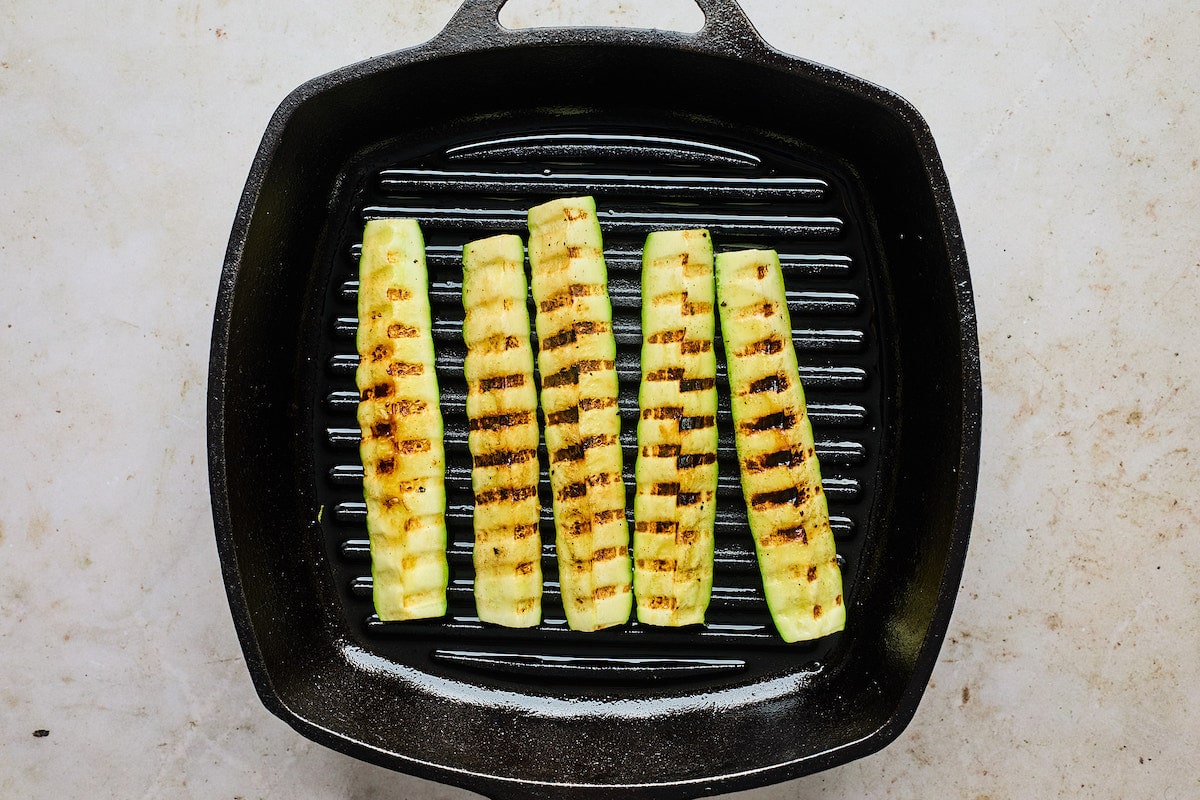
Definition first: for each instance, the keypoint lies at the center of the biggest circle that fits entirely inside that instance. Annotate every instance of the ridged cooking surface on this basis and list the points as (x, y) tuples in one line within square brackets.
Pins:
[(641, 183)]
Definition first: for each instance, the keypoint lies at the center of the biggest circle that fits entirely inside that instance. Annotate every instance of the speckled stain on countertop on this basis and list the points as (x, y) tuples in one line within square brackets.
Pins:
[(1069, 131)]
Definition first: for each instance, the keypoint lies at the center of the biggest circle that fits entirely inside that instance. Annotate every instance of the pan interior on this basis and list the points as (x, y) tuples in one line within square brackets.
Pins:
[(477, 180)]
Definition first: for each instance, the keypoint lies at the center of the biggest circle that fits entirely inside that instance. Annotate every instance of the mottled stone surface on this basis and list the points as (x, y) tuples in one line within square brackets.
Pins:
[(1071, 135)]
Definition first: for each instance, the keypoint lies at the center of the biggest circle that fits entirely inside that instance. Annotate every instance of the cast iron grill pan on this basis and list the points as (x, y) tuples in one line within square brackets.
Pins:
[(651, 180), (666, 130)]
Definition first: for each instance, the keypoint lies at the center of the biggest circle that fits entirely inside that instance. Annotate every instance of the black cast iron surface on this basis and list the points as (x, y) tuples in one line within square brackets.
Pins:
[(666, 130)]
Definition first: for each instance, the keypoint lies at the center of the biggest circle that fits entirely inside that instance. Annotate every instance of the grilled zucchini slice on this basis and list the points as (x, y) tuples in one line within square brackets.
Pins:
[(502, 433), (781, 478), (401, 424), (675, 505), (576, 357)]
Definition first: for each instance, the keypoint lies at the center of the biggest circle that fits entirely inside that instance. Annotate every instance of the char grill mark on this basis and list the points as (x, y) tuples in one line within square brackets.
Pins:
[(576, 452), (769, 346), (405, 369), (696, 423), (502, 382), (567, 416), (504, 458), (780, 458), (569, 376), (499, 422), (505, 495), (782, 421), (772, 383)]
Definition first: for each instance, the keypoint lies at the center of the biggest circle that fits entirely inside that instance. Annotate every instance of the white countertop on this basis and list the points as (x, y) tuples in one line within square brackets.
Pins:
[(1070, 133)]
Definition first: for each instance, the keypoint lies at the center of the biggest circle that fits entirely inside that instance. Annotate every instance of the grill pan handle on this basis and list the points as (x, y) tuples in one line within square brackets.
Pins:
[(726, 27)]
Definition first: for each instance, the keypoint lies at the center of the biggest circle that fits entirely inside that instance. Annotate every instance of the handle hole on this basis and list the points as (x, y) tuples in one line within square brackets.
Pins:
[(671, 15)]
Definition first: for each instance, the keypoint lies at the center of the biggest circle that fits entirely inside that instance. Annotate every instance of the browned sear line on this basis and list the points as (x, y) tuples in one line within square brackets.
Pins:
[(780, 458), (667, 374), (687, 498), (691, 347), (579, 527), (691, 460), (378, 391), (666, 337), (657, 526), (525, 530), (405, 368), (663, 412), (696, 423), (567, 416), (782, 421), (768, 346), (696, 384), (772, 383), (792, 495), (409, 446), (398, 330), (495, 422), (554, 302), (607, 553), (786, 535), (564, 377), (505, 494), (563, 298), (694, 308), (572, 491), (577, 451), (395, 293), (794, 534), (560, 339), (502, 382), (660, 450), (664, 489), (611, 515), (596, 403), (589, 327), (405, 407), (570, 335), (503, 458)]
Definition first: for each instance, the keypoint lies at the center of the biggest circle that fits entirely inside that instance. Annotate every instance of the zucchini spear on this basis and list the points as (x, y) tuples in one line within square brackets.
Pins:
[(576, 357), (675, 505), (401, 424), (781, 479), (503, 433)]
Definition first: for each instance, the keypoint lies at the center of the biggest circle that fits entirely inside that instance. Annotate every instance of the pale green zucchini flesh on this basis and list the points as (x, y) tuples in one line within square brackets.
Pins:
[(401, 424), (675, 503), (502, 433), (781, 478), (576, 358)]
